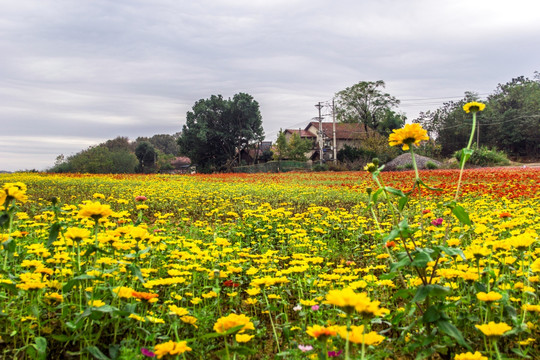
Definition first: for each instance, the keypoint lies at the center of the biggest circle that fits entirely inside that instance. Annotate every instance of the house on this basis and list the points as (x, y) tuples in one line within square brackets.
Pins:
[(181, 165), (255, 153), (350, 134)]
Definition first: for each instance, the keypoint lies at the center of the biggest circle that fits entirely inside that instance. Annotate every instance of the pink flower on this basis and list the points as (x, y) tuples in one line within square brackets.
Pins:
[(147, 352), (334, 353), (140, 198), (315, 307), (437, 222), (305, 348)]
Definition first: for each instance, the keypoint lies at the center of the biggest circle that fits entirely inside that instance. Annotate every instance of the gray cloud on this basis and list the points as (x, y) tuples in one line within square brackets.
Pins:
[(78, 73)]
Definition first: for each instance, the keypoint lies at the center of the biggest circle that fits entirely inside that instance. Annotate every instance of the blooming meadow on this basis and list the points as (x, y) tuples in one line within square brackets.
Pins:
[(369, 265), (257, 265)]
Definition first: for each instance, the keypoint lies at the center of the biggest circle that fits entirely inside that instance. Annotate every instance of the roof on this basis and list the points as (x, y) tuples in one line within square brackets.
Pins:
[(301, 133), (344, 131), (181, 161)]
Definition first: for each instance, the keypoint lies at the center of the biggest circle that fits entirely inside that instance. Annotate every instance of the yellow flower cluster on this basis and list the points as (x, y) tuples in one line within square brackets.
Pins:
[(171, 348)]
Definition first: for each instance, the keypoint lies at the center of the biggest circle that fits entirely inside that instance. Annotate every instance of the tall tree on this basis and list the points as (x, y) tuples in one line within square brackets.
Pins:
[(365, 103), (217, 129), (511, 121), (147, 156)]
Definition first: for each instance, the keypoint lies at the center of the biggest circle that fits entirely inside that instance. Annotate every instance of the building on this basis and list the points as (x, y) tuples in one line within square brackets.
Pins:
[(350, 134)]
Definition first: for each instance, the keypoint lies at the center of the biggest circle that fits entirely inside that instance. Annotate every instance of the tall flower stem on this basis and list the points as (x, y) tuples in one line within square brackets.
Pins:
[(463, 159), (271, 321)]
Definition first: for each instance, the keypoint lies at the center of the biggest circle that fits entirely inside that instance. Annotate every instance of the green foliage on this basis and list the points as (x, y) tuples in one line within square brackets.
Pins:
[(147, 156), (366, 104), (320, 167), (375, 146), (165, 143), (509, 122), (484, 156), (430, 165), (294, 149), (407, 166), (217, 129)]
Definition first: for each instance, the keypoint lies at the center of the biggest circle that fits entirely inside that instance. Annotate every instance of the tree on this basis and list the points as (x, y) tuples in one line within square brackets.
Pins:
[(216, 130), (298, 147), (449, 124), (146, 154), (366, 104), (511, 121), (281, 146)]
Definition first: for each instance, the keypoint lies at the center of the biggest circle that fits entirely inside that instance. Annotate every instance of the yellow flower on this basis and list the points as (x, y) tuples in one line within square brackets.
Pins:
[(357, 335), (95, 210), (409, 134), (320, 332), (12, 191), (225, 323), (493, 329), (77, 234), (489, 297), (178, 311), (188, 319), (535, 266), (349, 300), (242, 338), (171, 348), (474, 107), (470, 356), (123, 292), (371, 167), (96, 303)]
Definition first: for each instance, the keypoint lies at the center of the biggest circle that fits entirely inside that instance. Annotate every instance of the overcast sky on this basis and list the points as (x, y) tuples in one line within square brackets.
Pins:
[(76, 73)]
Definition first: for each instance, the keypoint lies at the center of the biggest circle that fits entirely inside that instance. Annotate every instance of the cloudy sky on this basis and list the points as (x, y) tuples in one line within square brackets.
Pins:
[(76, 73)]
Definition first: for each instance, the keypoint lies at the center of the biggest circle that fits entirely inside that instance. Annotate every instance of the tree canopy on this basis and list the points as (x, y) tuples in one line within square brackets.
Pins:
[(510, 121), (367, 104), (217, 129)]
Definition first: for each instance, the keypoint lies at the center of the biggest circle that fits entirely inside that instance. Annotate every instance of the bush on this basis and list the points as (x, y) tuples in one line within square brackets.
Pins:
[(485, 156), (408, 166), (430, 165), (320, 167)]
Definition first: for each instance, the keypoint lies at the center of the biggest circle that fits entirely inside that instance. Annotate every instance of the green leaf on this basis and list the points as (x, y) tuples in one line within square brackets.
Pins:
[(53, 233), (421, 259), (462, 215), (136, 271), (394, 191), (376, 194), (72, 282), (401, 263), (61, 337), (451, 251), (4, 219), (10, 245), (427, 186), (402, 202), (465, 155), (11, 287), (449, 329), (41, 347), (429, 290), (96, 353), (432, 314)]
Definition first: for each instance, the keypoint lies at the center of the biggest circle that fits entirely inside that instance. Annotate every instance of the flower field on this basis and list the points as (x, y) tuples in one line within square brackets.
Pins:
[(264, 266)]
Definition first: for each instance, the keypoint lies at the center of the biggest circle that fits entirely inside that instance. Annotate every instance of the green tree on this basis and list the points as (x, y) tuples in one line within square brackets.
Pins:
[(94, 160), (449, 124), (123, 162), (281, 146), (365, 103), (147, 156), (217, 129), (298, 147), (511, 120)]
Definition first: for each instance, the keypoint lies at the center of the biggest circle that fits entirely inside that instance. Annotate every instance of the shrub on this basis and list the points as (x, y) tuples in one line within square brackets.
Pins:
[(408, 166), (320, 167), (431, 165), (484, 156)]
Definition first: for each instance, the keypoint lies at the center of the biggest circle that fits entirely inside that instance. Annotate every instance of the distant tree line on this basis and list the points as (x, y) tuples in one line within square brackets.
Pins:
[(122, 156), (510, 121)]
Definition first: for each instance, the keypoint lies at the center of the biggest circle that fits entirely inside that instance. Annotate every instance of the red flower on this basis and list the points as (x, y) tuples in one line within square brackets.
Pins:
[(230, 283), (390, 244), (140, 198)]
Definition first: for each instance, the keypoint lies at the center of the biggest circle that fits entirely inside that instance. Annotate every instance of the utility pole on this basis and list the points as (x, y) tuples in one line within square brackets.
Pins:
[(334, 131), (319, 106)]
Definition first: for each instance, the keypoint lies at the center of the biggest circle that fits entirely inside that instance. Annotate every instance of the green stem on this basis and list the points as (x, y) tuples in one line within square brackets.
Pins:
[(271, 321), (463, 155)]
